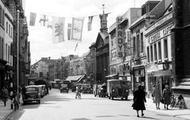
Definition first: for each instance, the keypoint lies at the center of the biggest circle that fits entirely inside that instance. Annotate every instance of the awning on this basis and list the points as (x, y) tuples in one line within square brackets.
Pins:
[(75, 78), (161, 73)]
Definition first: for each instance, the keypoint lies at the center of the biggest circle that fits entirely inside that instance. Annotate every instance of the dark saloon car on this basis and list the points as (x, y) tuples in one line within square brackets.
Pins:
[(32, 94)]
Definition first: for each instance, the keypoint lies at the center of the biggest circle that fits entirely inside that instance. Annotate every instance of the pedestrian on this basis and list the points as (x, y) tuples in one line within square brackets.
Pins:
[(166, 96), (5, 95), (78, 92), (139, 100), (156, 94)]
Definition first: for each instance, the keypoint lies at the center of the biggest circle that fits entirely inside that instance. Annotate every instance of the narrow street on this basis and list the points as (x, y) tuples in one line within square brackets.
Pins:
[(57, 106)]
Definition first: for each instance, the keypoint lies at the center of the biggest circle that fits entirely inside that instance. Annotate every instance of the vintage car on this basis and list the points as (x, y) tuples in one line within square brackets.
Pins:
[(117, 88), (32, 94), (64, 87)]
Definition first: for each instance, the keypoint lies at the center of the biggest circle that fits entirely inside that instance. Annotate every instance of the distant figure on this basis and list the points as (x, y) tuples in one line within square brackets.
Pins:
[(78, 92), (5, 95), (166, 96), (139, 100), (156, 94)]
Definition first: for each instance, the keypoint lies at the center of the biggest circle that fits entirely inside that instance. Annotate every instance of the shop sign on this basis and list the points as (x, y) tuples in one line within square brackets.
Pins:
[(160, 34), (119, 37)]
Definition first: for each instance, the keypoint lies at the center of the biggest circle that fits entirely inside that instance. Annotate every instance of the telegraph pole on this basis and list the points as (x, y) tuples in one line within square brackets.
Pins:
[(18, 51)]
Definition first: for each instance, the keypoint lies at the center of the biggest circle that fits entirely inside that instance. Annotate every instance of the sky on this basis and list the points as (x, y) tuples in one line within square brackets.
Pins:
[(40, 37)]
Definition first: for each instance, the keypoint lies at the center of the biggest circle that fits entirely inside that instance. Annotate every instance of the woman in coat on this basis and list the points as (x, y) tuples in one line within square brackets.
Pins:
[(157, 96), (139, 100), (166, 96)]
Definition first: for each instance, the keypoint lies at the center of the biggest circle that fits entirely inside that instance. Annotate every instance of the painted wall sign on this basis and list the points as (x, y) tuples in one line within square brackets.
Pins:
[(119, 37)]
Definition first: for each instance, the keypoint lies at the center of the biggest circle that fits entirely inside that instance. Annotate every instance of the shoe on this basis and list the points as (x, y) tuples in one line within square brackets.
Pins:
[(142, 115), (137, 115)]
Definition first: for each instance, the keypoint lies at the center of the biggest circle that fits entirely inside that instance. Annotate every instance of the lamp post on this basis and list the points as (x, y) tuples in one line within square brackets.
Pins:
[(18, 51)]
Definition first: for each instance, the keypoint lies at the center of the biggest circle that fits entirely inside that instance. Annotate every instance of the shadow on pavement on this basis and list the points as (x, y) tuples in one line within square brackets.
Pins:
[(146, 117), (15, 115), (105, 116), (80, 119)]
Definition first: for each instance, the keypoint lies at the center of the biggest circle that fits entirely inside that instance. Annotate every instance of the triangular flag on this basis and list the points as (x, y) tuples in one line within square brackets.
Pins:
[(90, 18), (32, 18), (76, 46)]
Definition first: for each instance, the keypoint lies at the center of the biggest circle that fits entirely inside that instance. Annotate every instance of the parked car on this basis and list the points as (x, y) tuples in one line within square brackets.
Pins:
[(32, 94), (117, 88), (102, 90), (64, 87)]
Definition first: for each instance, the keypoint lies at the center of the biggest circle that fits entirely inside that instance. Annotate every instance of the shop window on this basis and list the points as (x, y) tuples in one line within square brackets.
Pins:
[(134, 45), (155, 52), (165, 48), (159, 51), (142, 42), (138, 44), (148, 54), (151, 53)]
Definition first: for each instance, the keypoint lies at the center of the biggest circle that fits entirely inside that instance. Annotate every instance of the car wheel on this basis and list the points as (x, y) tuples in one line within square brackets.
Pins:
[(122, 98), (112, 98), (126, 98), (39, 101)]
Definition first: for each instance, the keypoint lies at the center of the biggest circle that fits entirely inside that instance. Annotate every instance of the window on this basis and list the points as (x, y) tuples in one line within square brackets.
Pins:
[(9, 29), (159, 51), (138, 44), (155, 52), (142, 42), (134, 45), (1, 15), (165, 48), (3, 18), (6, 27), (148, 54), (151, 53)]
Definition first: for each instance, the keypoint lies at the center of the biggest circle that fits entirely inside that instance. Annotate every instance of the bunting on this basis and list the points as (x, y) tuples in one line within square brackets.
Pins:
[(32, 18), (90, 18), (69, 28), (43, 20), (77, 27), (58, 24)]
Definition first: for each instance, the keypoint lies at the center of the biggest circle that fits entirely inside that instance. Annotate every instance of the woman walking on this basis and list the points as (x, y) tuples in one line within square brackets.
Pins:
[(5, 95), (139, 100), (166, 96), (157, 96)]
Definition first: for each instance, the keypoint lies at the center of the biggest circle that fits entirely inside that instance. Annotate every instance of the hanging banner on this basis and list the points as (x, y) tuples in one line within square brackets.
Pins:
[(90, 18), (32, 18), (58, 24), (69, 28), (43, 20), (119, 37), (77, 28)]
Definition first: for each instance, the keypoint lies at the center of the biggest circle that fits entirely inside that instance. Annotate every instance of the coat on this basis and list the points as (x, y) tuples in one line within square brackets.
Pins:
[(157, 95), (139, 100), (167, 96)]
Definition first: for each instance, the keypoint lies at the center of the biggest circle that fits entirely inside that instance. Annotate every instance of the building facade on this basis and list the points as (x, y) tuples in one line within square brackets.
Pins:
[(159, 49), (138, 40), (119, 64)]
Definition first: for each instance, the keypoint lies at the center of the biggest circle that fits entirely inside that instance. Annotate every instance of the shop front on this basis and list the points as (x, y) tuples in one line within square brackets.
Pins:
[(138, 77), (157, 74)]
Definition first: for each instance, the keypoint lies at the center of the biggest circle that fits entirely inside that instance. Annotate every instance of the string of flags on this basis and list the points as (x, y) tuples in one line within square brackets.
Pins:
[(57, 24)]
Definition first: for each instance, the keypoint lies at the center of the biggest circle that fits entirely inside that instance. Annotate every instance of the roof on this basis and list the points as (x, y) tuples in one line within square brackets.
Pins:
[(75, 78)]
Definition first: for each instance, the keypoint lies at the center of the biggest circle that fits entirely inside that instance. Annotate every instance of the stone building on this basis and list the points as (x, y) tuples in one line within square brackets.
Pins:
[(119, 65), (158, 39), (138, 41)]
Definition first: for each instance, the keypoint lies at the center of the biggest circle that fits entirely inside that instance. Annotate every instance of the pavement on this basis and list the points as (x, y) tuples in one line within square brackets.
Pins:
[(5, 111), (175, 112)]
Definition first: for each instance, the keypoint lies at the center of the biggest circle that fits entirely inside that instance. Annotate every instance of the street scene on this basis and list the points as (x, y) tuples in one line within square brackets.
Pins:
[(94, 60), (64, 106)]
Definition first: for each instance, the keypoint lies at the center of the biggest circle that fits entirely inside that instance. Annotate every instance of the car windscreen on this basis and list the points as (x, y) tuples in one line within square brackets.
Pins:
[(31, 89)]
